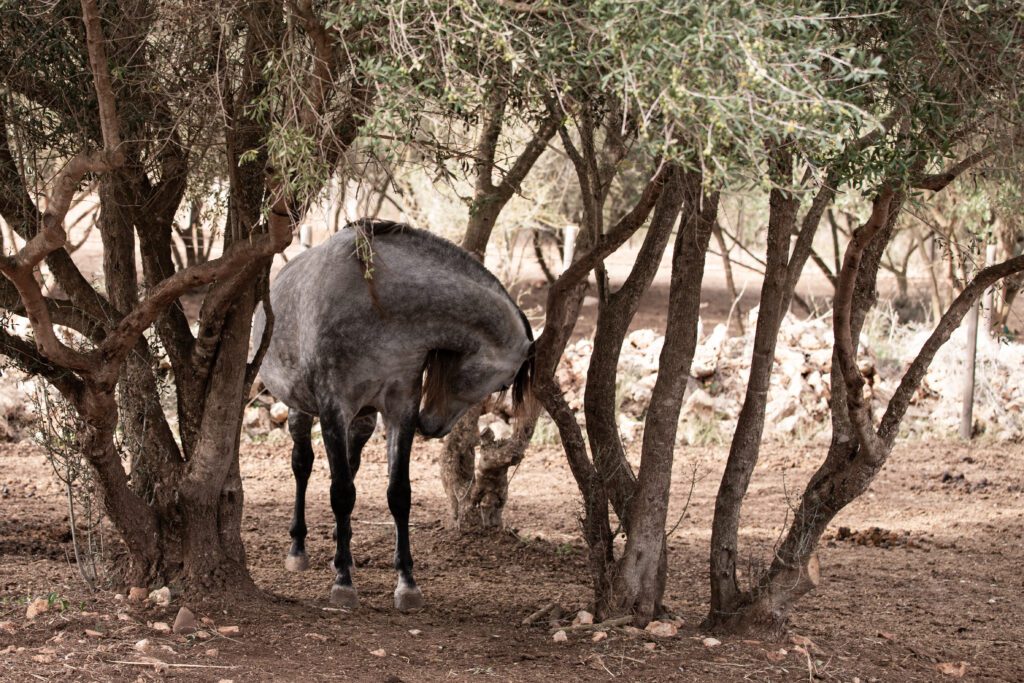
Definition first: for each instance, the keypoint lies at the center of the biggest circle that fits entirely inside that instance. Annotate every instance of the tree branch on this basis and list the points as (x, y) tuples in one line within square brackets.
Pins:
[(842, 325), (617, 235), (949, 322), (938, 181)]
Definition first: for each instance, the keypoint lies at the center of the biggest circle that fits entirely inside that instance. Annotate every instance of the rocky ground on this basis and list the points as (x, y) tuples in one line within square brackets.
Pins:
[(921, 582)]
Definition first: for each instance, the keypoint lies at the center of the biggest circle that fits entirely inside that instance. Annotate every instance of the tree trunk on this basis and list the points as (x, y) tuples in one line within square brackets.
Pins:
[(467, 483), (615, 313), (640, 573), (746, 442), (795, 570)]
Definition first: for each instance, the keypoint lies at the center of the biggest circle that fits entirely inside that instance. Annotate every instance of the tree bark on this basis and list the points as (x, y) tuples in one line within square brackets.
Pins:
[(468, 483), (640, 573), (616, 311)]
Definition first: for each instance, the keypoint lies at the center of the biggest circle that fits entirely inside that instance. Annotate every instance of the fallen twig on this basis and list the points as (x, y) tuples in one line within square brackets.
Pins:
[(158, 664), (607, 623)]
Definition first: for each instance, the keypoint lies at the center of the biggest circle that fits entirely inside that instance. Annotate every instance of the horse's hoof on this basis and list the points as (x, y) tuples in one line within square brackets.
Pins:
[(344, 596), (296, 563), (408, 598)]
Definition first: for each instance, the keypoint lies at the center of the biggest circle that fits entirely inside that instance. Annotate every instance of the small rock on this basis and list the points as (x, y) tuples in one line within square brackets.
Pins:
[(649, 646), (142, 645), (161, 627), (36, 607), (279, 413), (161, 597), (662, 629), (229, 630), (560, 636), (42, 659), (415, 631), (93, 634), (954, 669), (776, 656), (118, 597), (711, 642), (137, 594), (583, 617), (802, 641), (7, 626), (599, 636), (185, 622), (212, 652), (379, 653)]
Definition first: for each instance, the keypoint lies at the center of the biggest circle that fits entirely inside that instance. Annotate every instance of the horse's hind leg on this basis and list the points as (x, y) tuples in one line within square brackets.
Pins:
[(343, 500), (299, 425), (400, 434)]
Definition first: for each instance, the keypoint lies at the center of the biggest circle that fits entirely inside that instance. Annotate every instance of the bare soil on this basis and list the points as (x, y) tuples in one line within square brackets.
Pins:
[(925, 569)]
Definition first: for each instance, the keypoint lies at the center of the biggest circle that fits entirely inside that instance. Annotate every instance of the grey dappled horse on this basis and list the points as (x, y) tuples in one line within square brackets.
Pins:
[(428, 334)]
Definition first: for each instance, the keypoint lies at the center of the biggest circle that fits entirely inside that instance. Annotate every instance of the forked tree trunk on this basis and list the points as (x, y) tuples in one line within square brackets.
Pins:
[(616, 311), (781, 276), (795, 569), (471, 484), (639, 575)]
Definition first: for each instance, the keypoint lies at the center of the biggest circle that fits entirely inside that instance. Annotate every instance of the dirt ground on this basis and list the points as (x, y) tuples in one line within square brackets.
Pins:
[(923, 570)]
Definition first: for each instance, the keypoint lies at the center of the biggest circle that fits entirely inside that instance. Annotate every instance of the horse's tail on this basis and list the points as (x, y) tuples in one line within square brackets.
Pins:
[(522, 385), (366, 229)]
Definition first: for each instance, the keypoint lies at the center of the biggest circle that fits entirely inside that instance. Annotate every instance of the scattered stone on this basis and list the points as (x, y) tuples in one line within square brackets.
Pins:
[(650, 646), (954, 669), (415, 631), (93, 634), (137, 594), (185, 622), (776, 656), (212, 652), (711, 642), (229, 630), (36, 607), (802, 641), (379, 653), (599, 636), (662, 629), (142, 645), (161, 627), (583, 617), (279, 413), (560, 636), (7, 626), (118, 597), (161, 597)]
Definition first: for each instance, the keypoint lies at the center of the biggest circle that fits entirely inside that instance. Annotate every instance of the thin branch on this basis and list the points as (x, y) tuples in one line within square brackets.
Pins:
[(937, 181)]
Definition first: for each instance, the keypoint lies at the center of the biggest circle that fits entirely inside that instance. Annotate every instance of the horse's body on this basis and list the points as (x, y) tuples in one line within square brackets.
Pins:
[(345, 348)]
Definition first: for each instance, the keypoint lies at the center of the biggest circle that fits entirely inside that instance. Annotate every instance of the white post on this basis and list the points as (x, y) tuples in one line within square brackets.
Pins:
[(570, 231), (989, 301)]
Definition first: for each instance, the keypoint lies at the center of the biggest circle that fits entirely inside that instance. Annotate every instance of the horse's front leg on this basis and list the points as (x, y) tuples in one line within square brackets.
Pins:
[(400, 434), (343, 500)]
